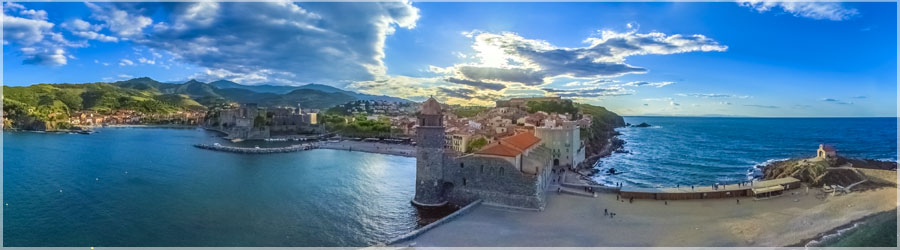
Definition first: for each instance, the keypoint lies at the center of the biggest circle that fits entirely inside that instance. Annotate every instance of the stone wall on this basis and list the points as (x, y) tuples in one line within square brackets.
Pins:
[(429, 166), (494, 180)]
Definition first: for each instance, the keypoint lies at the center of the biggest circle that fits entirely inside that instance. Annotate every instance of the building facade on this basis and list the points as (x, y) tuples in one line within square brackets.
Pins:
[(564, 142)]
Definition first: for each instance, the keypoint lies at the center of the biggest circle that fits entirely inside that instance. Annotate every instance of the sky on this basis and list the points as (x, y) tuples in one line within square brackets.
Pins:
[(787, 59)]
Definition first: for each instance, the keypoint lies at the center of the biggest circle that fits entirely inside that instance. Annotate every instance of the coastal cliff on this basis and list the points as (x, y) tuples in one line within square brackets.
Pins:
[(834, 171), (600, 139)]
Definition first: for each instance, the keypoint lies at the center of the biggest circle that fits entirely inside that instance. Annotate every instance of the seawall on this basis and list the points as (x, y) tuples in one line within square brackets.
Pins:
[(242, 150), (417, 232)]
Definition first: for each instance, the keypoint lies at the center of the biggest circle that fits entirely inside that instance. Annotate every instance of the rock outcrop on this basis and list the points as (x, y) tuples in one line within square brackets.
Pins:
[(817, 172)]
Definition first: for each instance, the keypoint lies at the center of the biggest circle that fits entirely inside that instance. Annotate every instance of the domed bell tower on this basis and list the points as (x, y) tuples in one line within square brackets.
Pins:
[(430, 156)]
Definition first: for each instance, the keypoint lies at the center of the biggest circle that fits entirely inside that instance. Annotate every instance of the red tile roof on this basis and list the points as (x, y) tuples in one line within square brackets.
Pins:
[(511, 146), (522, 140), (499, 149)]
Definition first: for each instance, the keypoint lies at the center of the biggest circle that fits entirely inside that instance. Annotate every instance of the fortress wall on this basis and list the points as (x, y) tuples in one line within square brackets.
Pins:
[(494, 180)]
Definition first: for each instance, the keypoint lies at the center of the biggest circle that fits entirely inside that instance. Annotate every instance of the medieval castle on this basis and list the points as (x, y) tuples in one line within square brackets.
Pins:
[(514, 171)]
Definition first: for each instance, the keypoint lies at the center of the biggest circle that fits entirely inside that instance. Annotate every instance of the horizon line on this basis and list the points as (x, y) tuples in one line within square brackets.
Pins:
[(740, 116)]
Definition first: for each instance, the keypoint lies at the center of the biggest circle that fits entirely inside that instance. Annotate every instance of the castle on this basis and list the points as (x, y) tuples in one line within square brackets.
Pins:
[(514, 171)]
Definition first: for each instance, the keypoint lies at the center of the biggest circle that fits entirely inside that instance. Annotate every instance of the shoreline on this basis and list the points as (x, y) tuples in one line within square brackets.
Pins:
[(574, 221), (853, 225)]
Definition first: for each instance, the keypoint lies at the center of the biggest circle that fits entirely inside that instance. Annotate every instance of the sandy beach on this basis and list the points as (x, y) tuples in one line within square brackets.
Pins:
[(575, 221), (372, 147)]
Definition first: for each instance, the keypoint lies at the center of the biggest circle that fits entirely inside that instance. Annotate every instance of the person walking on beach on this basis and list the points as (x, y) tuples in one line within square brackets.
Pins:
[(667, 202), (738, 201), (604, 212), (631, 200)]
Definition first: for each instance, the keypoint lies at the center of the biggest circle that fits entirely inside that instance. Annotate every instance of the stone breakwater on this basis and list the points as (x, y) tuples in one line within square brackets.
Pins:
[(257, 150)]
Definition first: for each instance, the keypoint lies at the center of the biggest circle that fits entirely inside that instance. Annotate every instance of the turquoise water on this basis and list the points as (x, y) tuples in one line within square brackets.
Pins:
[(150, 187), (703, 151), (877, 231)]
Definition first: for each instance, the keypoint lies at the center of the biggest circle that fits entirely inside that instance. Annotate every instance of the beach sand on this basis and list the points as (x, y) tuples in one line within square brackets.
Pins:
[(372, 147), (574, 221)]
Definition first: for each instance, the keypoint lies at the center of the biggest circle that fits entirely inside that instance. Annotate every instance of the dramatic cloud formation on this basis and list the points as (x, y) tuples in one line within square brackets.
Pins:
[(506, 64), (508, 58), (477, 84), (834, 11), (273, 42)]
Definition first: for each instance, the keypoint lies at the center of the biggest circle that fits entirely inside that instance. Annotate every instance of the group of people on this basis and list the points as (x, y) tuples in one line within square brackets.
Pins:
[(607, 213)]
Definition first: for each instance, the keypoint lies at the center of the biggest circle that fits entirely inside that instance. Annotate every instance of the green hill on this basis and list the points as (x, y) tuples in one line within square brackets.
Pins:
[(46, 106)]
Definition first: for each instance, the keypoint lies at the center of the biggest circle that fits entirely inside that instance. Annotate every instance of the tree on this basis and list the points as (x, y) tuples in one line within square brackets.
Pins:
[(476, 145)]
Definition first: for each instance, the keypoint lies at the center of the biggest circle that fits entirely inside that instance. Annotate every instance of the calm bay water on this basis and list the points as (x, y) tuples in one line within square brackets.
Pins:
[(150, 187), (703, 151)]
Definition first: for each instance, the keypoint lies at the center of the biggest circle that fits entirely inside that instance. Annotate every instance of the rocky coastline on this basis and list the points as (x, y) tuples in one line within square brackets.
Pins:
[(838, 170), (601, 141)]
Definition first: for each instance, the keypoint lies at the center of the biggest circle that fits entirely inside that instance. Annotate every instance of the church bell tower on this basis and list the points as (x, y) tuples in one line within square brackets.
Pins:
[(430, 156)]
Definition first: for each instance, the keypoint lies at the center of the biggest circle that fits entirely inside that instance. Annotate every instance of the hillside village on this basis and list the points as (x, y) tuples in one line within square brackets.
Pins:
[(246, 112)]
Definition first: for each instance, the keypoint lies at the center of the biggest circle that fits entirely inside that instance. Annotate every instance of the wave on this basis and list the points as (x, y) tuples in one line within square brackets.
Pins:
[(888, 159), (769, 162), (827, 237)]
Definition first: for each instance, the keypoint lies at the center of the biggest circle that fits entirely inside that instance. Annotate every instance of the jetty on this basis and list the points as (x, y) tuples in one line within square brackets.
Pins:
[(257, 150)]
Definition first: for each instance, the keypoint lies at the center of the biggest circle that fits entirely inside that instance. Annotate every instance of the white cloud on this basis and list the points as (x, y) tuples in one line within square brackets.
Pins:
[(643, 83), (124, 76), (713, 95), (38, 43), (146, 61), (119, 21), (87, 30), (591, 92), (44, 56), (278, 42), (509, 59), (834, 11), (35, 14), (25, 31), (126, 62)]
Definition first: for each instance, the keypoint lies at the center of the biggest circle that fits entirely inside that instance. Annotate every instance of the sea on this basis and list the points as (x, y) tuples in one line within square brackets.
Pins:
[(151, 187), (146, 187), (707, 150)]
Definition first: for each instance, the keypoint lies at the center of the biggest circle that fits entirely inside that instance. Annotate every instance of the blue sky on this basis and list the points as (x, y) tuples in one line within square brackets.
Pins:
[(721, 58)]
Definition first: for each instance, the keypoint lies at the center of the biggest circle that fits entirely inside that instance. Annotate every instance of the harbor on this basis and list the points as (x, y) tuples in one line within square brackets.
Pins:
[(257, 150)]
